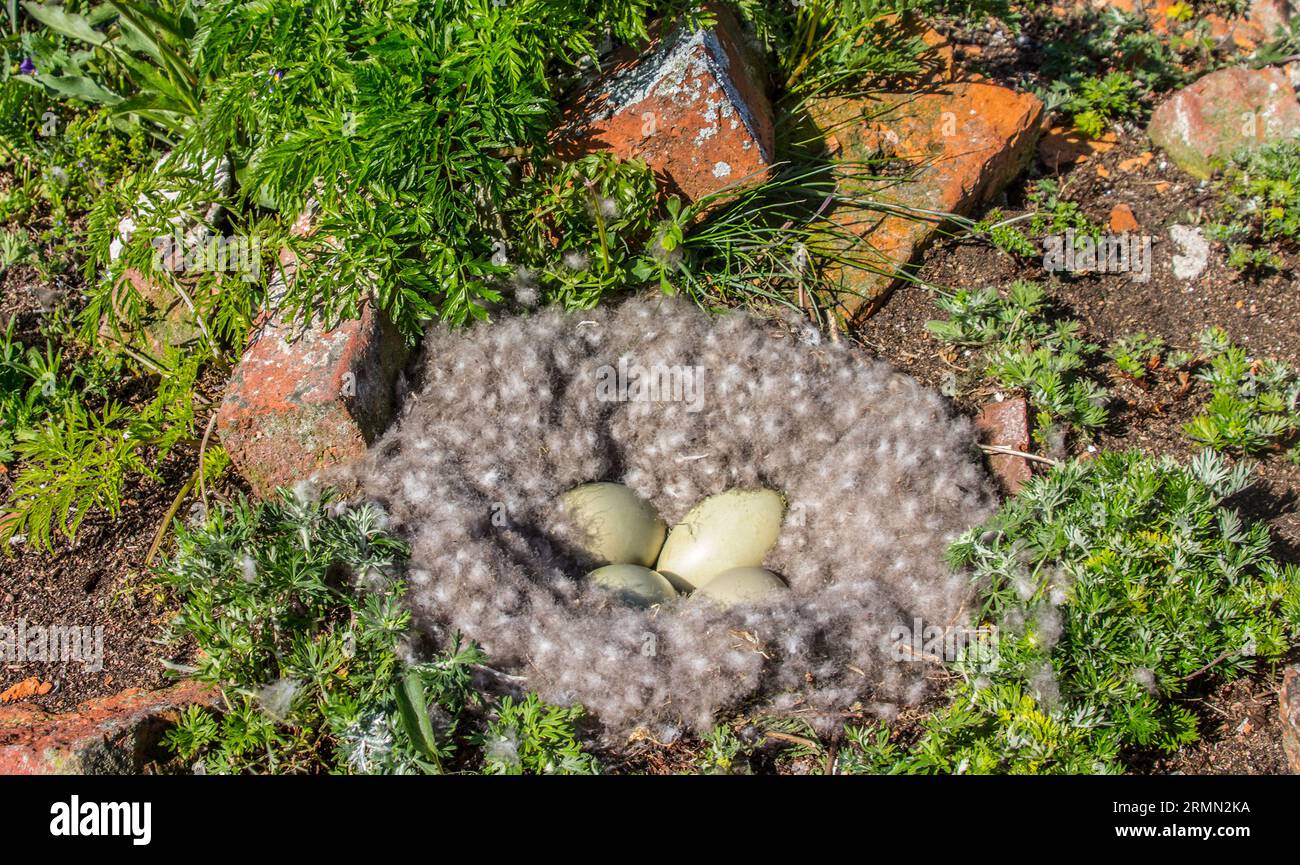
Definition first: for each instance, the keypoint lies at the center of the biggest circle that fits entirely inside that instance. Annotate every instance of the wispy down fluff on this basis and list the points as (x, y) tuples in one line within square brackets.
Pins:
[(878, 474)]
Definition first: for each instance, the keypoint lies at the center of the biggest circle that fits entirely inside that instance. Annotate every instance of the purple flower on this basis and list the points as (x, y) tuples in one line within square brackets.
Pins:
[(27, 67)]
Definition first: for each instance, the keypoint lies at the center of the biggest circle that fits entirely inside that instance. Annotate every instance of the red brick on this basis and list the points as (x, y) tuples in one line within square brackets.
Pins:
[(1006, 424), (301, 400), (962, 141), (693, 106), (114, 735)]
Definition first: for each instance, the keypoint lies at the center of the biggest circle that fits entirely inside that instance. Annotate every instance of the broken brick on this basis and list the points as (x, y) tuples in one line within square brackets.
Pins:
[(1006, 424), (692, 106), (962, 142), (109, 736), (301, 400)]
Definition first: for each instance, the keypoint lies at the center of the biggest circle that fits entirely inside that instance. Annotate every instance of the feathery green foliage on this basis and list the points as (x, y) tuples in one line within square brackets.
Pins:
[(1117, 584), (1099, 100), (1253, 405), (76, 457), (295, 606), (531, 737), (1020, 348)]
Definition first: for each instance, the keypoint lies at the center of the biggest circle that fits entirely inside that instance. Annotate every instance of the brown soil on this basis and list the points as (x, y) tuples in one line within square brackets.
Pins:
[(99, 580)]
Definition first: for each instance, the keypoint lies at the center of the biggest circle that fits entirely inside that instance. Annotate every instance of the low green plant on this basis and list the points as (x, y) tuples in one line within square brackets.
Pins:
[(1004, 234), (88, 156), (722, 753), (1261, 206), (1054, 213), (765, 245), (1254, 404), (1116, 585), (534, 738), (62, 156), (1099, 100), (76, 457), (419, 107), (1136, 355), (14, 249), (1048, 212), (295, 606), (749, 745), (31, 387), (1020, 348)]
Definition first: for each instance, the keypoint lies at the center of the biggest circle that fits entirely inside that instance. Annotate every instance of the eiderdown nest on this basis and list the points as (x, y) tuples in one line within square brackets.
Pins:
[(878, 472)]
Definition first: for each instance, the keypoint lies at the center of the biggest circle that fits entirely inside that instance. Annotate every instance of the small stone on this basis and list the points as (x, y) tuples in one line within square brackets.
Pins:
[(1194, 251), (1142, 160), (1122, 219), (1220, 28)]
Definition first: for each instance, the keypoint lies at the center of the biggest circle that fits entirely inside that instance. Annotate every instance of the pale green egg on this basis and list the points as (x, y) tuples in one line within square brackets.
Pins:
[(633, 584), (616, 525), (741, 586), (734, 529)]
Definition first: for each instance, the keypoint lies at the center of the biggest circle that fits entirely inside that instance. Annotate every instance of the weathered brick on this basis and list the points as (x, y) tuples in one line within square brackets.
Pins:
[(1222, 112), (1006, 424), (111, 736), (962, 141), (693, 106), (303, 399)]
